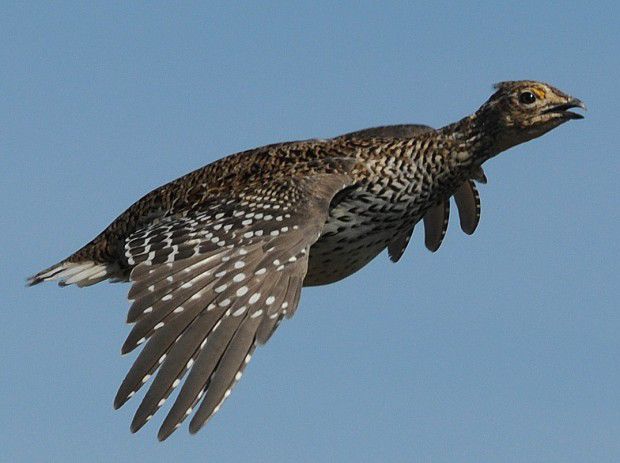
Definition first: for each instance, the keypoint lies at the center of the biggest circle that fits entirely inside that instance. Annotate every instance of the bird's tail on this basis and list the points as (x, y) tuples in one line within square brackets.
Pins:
[(84, 273)]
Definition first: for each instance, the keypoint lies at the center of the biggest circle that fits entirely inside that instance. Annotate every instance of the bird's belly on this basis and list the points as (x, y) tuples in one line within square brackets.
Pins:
[(352, 237)]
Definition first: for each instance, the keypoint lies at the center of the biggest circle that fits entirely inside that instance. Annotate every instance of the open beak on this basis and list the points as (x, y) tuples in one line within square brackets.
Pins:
[(563, 109)]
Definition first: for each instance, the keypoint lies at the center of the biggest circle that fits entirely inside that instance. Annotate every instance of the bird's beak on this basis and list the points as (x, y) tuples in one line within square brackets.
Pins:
[(563, 108), (577, 103)]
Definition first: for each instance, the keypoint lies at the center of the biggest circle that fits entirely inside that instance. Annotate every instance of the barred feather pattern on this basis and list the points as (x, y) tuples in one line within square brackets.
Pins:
[(436, 219), (209, 286)]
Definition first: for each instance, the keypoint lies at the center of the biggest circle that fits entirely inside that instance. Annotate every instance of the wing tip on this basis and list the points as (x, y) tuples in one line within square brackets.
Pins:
[(468, 229), (162, 434), (120, 400), (393, 257), (138, 422), (195, 426), (167, 428), (432, 246)]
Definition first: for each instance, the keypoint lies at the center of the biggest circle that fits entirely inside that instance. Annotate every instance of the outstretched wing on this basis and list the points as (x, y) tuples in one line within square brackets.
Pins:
[(211, 285)]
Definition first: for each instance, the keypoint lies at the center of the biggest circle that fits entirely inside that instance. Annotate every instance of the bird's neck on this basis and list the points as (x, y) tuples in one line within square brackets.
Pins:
[(476, 138)]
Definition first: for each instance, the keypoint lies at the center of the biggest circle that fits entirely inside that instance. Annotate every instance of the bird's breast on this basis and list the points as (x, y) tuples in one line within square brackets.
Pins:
[(362, 223), (357, 230)]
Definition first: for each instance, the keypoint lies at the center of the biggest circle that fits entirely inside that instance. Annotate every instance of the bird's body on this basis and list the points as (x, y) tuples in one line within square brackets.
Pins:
[(218, 257), (393, 181)]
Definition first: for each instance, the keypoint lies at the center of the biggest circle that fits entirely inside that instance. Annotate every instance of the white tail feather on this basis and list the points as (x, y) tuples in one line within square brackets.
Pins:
[(80, 273)]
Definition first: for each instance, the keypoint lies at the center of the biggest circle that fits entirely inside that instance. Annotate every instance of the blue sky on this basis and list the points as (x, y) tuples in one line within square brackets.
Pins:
[(502, 346)]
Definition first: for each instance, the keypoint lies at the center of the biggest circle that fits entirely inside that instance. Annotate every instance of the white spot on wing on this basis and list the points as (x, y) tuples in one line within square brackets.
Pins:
[(242, 291), (221, 288), (239, 311)]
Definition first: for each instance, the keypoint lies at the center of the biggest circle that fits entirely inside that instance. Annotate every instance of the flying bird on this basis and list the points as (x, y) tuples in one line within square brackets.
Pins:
[(217, 258)]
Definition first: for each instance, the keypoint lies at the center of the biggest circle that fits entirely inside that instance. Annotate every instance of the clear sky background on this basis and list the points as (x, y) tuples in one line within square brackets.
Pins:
[(502, 346)]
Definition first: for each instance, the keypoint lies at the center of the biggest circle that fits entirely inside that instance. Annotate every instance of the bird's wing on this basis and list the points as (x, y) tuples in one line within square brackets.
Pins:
[(388, 131), (210, 285)]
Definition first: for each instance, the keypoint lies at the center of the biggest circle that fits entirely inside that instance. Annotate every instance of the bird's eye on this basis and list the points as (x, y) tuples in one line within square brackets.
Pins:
[(527, 98)]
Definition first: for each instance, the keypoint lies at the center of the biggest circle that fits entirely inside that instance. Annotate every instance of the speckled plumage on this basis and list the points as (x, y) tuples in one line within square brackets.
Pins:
[(217, 258)]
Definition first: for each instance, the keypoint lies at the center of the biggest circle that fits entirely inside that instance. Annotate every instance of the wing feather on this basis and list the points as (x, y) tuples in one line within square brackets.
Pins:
[(209, 286), (468, 203), (436, 225), (236, 355)]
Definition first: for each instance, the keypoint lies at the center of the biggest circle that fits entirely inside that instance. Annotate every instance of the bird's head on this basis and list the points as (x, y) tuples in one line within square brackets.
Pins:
[(525, 109)]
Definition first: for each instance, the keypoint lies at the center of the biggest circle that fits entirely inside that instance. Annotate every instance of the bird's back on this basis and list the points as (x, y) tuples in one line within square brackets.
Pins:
[(256, 170)]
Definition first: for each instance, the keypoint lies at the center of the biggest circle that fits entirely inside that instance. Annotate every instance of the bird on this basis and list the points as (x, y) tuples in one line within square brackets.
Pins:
[(217, 258)]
